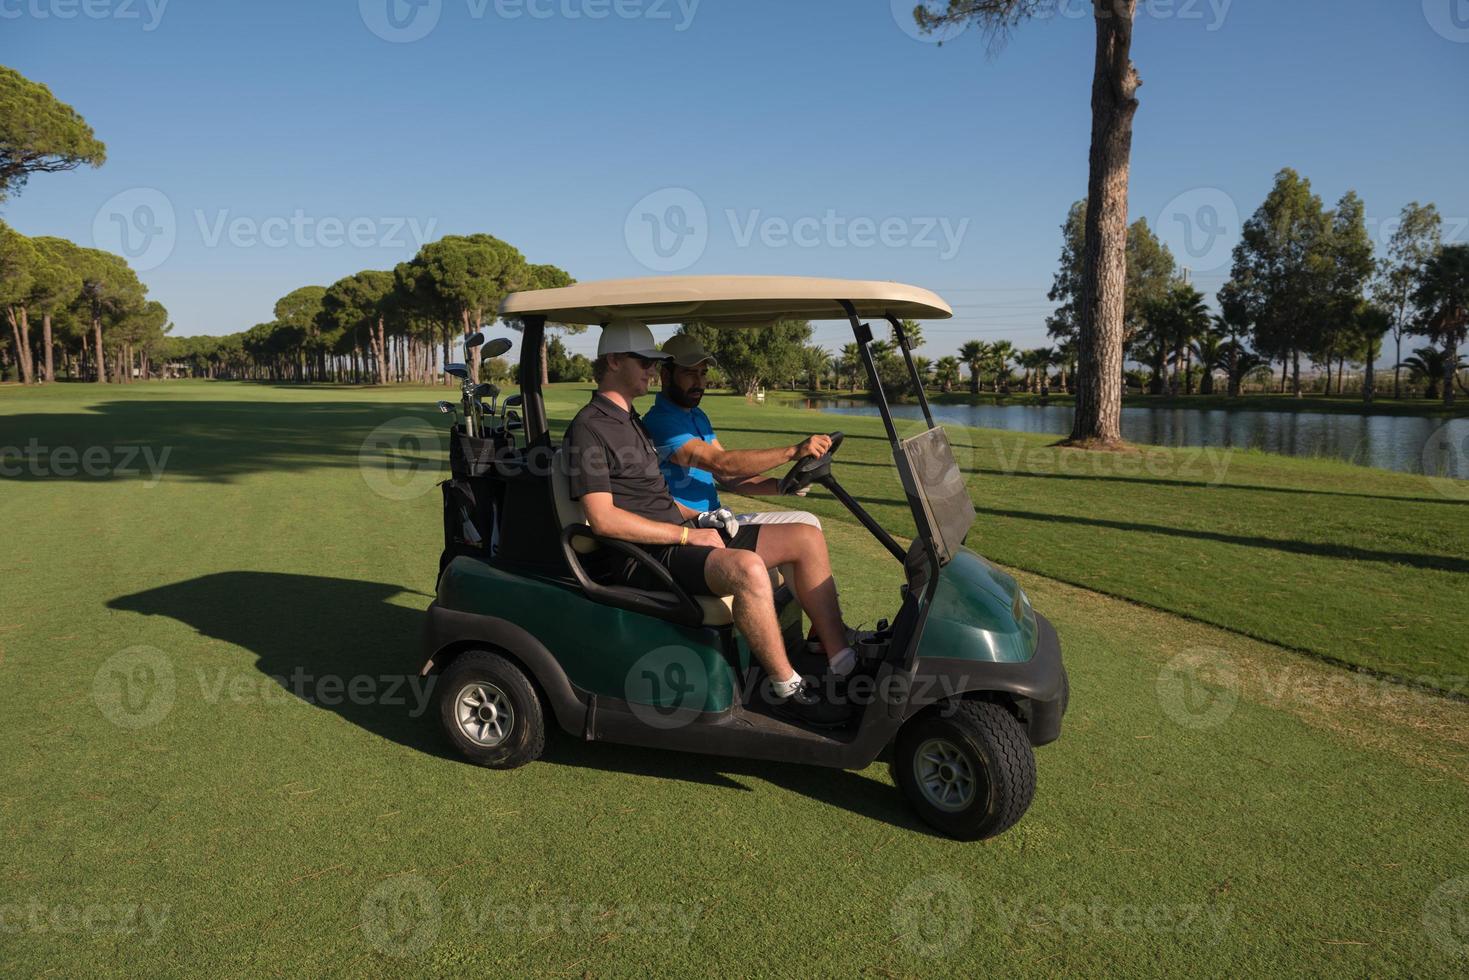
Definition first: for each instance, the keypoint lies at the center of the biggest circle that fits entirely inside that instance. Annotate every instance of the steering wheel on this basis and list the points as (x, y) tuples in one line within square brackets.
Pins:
[(809, 469)]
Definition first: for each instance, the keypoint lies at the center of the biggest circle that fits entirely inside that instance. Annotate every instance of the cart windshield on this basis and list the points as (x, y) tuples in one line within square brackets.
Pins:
[(940, 490)]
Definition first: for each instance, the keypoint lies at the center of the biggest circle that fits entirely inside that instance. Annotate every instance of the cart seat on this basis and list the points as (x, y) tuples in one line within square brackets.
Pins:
[(718, 610)]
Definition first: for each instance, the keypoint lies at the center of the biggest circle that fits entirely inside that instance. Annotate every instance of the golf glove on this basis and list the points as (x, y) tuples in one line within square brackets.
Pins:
[(722, 519)]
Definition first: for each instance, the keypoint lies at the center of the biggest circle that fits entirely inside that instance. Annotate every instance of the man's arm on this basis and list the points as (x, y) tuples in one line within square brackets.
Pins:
[(735, 467), (610, 521)]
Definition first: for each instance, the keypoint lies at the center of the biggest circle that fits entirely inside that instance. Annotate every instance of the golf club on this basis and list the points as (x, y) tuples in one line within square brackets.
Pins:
[(466, 385), (480, 391)]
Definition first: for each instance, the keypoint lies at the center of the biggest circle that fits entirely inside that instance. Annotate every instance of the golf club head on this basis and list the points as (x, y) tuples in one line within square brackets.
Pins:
[(513, 401), (446, 408), (457, 370), (483, 389), (496, 347), (474, 340)]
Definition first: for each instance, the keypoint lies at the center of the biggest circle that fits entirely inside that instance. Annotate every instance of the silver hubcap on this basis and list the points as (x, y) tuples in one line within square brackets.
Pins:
[(944, 775), (483, 714)]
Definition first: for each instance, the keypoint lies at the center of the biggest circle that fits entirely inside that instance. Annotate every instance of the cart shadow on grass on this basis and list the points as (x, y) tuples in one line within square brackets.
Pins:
[(319, 627)]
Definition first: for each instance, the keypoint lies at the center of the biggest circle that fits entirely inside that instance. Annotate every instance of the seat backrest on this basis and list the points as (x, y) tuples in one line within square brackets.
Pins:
[(568, 511)]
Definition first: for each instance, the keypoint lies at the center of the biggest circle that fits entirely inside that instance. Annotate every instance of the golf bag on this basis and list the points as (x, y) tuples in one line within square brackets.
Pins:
[(473, 497)]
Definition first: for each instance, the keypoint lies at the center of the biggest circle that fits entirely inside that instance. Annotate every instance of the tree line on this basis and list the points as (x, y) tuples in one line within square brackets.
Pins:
[(1304, 284), (384, 326)]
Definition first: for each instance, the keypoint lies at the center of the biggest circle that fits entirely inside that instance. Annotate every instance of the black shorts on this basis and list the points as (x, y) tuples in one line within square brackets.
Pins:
[(685, 563)]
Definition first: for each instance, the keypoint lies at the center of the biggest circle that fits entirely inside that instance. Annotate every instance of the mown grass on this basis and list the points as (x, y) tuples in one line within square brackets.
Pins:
[(1353, 564), (1216, 804)]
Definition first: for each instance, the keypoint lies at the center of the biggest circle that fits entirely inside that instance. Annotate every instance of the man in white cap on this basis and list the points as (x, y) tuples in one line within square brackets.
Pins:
[(614, 472)]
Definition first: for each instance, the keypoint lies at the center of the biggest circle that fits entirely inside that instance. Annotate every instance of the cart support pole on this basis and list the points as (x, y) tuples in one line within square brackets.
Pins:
[(912, 368), (533, 329)]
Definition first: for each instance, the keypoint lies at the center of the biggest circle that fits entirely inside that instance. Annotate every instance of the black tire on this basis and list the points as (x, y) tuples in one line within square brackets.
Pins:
[(1001, 768), (483, 734)]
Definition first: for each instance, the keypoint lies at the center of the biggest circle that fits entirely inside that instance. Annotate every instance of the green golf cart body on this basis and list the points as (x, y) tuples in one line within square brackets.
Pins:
[(965, 681)]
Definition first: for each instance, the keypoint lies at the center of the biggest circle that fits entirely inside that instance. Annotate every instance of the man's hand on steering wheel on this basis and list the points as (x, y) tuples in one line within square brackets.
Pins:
[(816, 446), (809, 469)]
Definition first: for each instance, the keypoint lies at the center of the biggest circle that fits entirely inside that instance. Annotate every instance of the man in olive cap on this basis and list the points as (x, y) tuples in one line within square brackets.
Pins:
[(693, 461)]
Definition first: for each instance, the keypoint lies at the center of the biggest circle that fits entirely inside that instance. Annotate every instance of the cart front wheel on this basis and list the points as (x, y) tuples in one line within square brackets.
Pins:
[(967, 768), (490, 711)]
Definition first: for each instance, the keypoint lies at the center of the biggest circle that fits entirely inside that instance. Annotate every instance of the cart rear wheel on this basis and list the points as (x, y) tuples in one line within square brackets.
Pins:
[(490, 711), (967, 768)]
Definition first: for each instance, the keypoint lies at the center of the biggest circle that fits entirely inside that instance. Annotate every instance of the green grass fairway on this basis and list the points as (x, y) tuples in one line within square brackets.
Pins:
[(1217, 804)]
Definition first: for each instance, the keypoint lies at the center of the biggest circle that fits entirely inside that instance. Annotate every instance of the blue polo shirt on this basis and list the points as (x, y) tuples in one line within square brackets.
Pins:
[(671, 427)]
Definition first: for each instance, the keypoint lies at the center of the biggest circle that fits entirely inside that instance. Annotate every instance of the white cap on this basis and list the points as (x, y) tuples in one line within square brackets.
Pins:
[(628, 336)]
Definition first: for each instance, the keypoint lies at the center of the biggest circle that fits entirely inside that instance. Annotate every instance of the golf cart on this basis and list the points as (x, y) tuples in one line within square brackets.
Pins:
[(957, 689)]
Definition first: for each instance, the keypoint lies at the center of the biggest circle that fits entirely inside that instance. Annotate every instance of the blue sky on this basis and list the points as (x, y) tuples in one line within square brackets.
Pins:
[(298, 142)]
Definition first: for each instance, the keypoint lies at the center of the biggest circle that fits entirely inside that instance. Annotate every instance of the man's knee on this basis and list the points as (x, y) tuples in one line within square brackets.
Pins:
[(749, 573)]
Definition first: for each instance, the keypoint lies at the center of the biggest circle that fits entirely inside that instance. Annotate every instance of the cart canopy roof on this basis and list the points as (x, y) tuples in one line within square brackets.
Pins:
[(725, 301)]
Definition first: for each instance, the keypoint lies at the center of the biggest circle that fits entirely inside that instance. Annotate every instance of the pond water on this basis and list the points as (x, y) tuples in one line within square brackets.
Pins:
[(1409, 444)]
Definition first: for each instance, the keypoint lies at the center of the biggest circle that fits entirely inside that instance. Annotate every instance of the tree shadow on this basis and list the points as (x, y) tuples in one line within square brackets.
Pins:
[(218, 441), (313, 627)]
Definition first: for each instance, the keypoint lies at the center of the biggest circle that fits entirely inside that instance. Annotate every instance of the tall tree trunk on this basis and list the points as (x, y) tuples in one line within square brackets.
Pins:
[(1341, 365), (545, 364), (381, 345), (1450, 367), (1295, 375), (27, 356), (1369, 381), (22, 353), (50, 354), (97, 344), (1098, 419), (1397, 364)]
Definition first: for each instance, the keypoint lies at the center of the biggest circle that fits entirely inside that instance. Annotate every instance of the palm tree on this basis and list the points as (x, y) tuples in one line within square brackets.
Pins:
[(912, 331), (1001, 351), (974, 353), (1066, 360), (1041, 360), (1238, 361), (923, 367), (1429, 366), (1443, 294), (1187, 317), (851, 359), (1209, 348), (947, 372)]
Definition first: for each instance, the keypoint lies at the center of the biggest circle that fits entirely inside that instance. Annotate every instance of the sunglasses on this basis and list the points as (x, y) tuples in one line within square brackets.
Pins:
[(643, 362)]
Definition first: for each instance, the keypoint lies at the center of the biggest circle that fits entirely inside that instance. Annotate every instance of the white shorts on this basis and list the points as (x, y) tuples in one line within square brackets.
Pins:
[(780, 517)]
